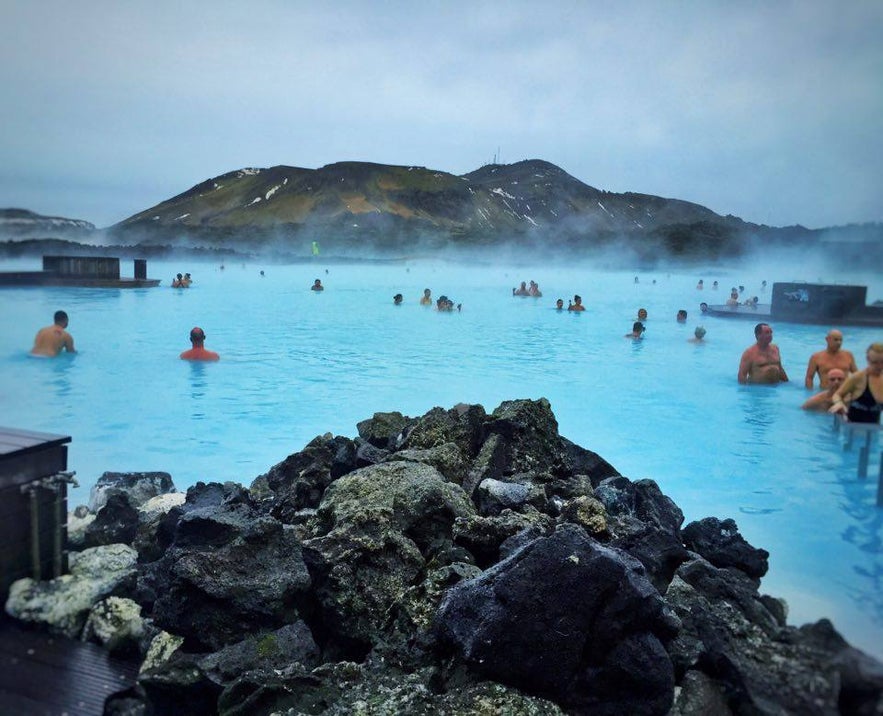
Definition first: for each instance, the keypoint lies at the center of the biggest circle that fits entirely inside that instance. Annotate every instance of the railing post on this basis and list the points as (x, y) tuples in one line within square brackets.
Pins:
[(880, 483)]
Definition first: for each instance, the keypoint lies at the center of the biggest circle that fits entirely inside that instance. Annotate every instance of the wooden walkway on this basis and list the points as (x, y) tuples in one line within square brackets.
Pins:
[(44, 675)]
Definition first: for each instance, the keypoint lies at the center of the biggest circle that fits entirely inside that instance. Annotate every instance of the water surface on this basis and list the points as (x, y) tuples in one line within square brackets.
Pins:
[(295, 364)]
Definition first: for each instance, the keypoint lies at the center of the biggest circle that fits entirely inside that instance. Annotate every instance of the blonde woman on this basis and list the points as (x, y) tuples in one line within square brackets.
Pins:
[(861, 395)]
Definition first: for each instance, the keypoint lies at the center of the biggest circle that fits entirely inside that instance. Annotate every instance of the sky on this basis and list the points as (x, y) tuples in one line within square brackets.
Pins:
[(770, 111)]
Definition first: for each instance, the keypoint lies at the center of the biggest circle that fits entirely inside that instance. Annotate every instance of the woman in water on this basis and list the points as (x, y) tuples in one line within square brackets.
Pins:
[(861, 395)]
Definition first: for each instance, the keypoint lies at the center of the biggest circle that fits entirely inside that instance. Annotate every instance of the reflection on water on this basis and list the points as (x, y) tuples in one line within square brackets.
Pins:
[(197, 388), (294, 365)]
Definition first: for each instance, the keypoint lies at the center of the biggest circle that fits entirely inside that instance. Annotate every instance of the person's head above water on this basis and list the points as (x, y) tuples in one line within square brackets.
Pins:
[(60, 319), (682, 316), (397, 299), (699, 332), (637, 327), (835, 378), (559, 303), (642, 314), (198, 351)]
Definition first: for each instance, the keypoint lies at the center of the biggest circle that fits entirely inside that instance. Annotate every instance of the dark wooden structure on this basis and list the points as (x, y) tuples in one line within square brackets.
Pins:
[(85, 271), (45, 675), (33, 505), (41, 673), (815, 303)]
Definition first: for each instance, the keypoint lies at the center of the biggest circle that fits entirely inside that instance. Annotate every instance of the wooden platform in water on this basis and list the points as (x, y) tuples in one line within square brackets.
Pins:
[(44, 675)]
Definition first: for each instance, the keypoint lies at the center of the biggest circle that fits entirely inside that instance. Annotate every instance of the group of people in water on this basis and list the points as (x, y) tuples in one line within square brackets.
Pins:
[(856, 394), (525, 290), (846, 390)]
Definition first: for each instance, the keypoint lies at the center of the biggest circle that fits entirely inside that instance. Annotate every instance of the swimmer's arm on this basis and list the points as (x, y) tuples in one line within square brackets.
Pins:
[(69, 343), (842, 395), (782, 374), (744, 368), (811, 370)]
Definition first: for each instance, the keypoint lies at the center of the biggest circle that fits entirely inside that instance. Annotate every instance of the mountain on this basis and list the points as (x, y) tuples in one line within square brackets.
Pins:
[(353, 206), (530, 209), (21, 223)]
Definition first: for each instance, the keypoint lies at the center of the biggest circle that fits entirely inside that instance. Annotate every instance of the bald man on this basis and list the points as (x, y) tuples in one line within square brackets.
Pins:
[(198, 352), (832, 357), (825, 399)]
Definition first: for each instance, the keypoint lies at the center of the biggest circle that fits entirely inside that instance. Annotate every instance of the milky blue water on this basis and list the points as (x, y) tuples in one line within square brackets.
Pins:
[(296, 364)]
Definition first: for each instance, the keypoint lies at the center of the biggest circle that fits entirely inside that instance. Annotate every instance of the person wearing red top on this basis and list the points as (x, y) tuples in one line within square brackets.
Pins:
[(198, 352)]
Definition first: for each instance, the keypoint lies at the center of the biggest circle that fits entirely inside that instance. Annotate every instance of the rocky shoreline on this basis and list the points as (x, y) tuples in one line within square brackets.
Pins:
[(460, 562)]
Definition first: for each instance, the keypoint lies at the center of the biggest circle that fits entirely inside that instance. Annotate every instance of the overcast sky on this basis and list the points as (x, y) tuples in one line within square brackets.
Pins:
[(771, 111)]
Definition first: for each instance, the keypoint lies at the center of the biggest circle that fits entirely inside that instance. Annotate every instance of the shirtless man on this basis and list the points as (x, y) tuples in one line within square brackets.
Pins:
[(198, 352), (50, 340), (832, 357), (761, 363), (577, 304), (825, 399)]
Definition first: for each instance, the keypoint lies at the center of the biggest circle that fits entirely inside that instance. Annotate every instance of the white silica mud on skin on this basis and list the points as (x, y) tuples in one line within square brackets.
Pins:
[(297, 363)]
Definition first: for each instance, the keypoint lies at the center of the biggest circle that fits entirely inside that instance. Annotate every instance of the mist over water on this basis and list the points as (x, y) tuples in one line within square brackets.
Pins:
[(295, 364)]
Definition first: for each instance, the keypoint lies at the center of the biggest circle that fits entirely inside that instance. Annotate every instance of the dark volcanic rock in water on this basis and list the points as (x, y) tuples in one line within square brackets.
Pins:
[(456, 563), (721, 544)]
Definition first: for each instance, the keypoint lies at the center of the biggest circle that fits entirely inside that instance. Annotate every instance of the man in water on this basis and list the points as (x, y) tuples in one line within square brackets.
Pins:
[(397, 299), (317, 286), (832, 357), (50, 340), (825, 399), (682, 316), (426, 299), (577, 304), (559, 304), (198, 352), (637, 331), (698, 335), (761, 363)]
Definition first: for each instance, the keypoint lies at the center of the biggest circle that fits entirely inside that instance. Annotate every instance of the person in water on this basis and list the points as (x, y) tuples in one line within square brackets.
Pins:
[(642, 314), (178, 281), (698, 335), (521, 290), (577, 304), (682, 316), (445, 304), (397, 299), (700, 285), (637, 331), (198, 351), (51, 340), (534, 289), (762, 363), (317, 286), (703, 307), (825, 399), (832, 357), (861, 395), (426, 299), (559, 304), (186, 281)]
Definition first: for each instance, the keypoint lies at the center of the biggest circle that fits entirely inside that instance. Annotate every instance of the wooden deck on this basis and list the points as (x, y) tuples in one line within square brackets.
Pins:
[(44, 675)]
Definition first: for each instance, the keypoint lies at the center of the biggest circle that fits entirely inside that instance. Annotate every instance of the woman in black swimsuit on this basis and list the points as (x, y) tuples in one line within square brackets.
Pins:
[(861, 395)]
